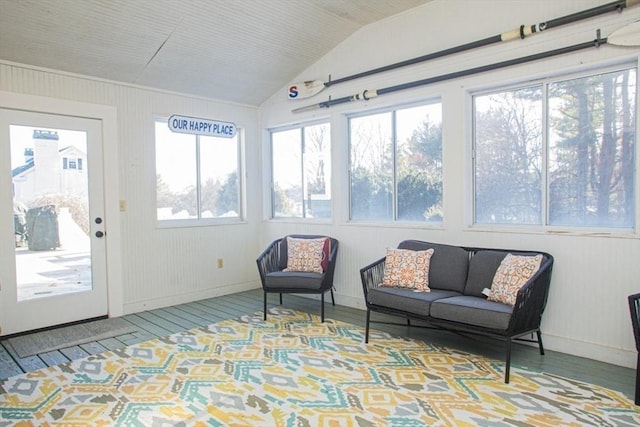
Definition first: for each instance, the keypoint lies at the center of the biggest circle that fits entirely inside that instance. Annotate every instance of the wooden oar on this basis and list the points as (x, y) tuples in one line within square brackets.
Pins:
[(369, 93), (629, 35)]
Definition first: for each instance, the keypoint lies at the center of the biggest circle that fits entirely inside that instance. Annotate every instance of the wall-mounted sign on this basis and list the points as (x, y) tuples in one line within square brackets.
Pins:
[(196, 126)]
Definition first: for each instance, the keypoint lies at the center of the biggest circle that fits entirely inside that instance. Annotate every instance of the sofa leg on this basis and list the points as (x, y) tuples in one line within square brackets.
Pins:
[(507, 366), (366, 329), (539, 334), (265, 305), (637, 397)]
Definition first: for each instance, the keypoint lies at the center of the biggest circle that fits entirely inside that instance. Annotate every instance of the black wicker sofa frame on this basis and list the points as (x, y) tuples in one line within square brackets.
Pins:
[(457, 278)]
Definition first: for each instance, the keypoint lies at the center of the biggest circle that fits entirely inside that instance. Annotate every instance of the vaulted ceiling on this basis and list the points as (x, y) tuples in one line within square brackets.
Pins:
[(236, 50)]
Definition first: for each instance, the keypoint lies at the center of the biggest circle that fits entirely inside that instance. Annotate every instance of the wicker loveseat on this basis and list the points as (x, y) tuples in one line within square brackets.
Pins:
[(459, 278)]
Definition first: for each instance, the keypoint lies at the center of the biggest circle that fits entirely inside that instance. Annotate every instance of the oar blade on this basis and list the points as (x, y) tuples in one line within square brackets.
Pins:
[(629, 35), (305, 89)]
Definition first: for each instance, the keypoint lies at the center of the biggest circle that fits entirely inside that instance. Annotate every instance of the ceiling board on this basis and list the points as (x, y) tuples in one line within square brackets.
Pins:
[(241, 51)]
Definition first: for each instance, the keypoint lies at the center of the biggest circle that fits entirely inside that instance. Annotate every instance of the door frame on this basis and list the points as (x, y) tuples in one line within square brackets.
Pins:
[(108, 116)]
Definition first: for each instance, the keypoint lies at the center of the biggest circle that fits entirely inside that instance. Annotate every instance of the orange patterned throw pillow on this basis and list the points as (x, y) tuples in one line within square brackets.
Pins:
[(405, 268), (514, 271), (306, 255)]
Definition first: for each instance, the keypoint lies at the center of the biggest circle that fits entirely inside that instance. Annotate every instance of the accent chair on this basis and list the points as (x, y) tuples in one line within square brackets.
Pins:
[(299, 264)]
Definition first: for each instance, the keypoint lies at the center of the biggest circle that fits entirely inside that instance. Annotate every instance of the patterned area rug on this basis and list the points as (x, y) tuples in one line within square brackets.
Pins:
[(295, 371)]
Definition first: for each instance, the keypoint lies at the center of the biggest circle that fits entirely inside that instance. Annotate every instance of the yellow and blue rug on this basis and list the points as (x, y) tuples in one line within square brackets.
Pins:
[(295, 371)]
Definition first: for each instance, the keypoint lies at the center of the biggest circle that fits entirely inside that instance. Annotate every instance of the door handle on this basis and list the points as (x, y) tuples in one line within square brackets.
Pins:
[(98, 220), (99, 234)]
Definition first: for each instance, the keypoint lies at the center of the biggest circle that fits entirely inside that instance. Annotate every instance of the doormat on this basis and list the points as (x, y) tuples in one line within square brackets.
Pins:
[(69, 336)]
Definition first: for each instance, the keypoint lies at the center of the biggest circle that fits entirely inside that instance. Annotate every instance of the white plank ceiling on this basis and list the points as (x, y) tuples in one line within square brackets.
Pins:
[(236, 50)]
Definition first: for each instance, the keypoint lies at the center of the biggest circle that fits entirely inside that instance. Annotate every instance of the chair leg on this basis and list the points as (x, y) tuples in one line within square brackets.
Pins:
[(540, 342), (507, 366), (322, 307), (333, 301), (366, 328), (280, 299), (265, 305), (637, 399)]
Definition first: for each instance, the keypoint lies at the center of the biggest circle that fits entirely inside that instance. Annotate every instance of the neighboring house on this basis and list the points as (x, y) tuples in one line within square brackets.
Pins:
[(47, 169)]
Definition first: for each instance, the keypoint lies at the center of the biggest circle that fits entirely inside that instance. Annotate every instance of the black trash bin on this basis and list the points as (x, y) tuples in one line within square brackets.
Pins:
[(42, 228)]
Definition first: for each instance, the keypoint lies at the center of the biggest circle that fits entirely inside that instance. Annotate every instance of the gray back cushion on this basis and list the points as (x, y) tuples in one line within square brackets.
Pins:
[(448, 266), (482, 268)]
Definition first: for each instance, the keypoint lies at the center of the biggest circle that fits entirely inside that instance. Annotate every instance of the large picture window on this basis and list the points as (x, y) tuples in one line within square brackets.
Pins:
[(301, 172), (558, 153), (396, 165), (198, 177)]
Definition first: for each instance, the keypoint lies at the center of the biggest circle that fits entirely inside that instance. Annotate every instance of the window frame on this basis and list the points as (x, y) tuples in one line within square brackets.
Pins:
[(271, 185), (204, 221), (394, 221), (544, 82)]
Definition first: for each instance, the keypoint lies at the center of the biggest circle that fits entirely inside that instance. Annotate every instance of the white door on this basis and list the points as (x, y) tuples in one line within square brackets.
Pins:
[(52, 209)]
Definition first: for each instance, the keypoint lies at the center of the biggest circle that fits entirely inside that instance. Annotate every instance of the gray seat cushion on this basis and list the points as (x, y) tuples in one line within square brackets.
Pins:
[(473, 311), (406, 299), (293, 280), (448, 266)]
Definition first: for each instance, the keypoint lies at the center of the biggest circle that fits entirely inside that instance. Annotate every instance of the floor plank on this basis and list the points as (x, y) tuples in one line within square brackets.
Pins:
[(8, 366), (184, 319), (53, 358), (140, 321), (198, 311), (74, 353)]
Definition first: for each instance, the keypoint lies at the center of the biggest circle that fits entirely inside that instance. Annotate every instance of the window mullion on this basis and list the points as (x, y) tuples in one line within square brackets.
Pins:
[(394, 155), (302, 177), (544, 197)]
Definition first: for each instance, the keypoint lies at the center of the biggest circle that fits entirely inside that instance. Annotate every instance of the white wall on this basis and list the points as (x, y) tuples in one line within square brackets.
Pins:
[(160, 266), (587, 313)]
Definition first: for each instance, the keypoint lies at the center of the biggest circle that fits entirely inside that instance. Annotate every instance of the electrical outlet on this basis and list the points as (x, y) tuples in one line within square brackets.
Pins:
[(220, 263)]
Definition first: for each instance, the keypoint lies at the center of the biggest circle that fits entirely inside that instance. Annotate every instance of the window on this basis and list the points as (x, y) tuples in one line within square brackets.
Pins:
[(197, 176), (396, 165), (301, 172), (558, 153), (72, 164)]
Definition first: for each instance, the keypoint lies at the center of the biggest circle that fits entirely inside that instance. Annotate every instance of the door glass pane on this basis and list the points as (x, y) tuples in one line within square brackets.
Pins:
[(50, 202)]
